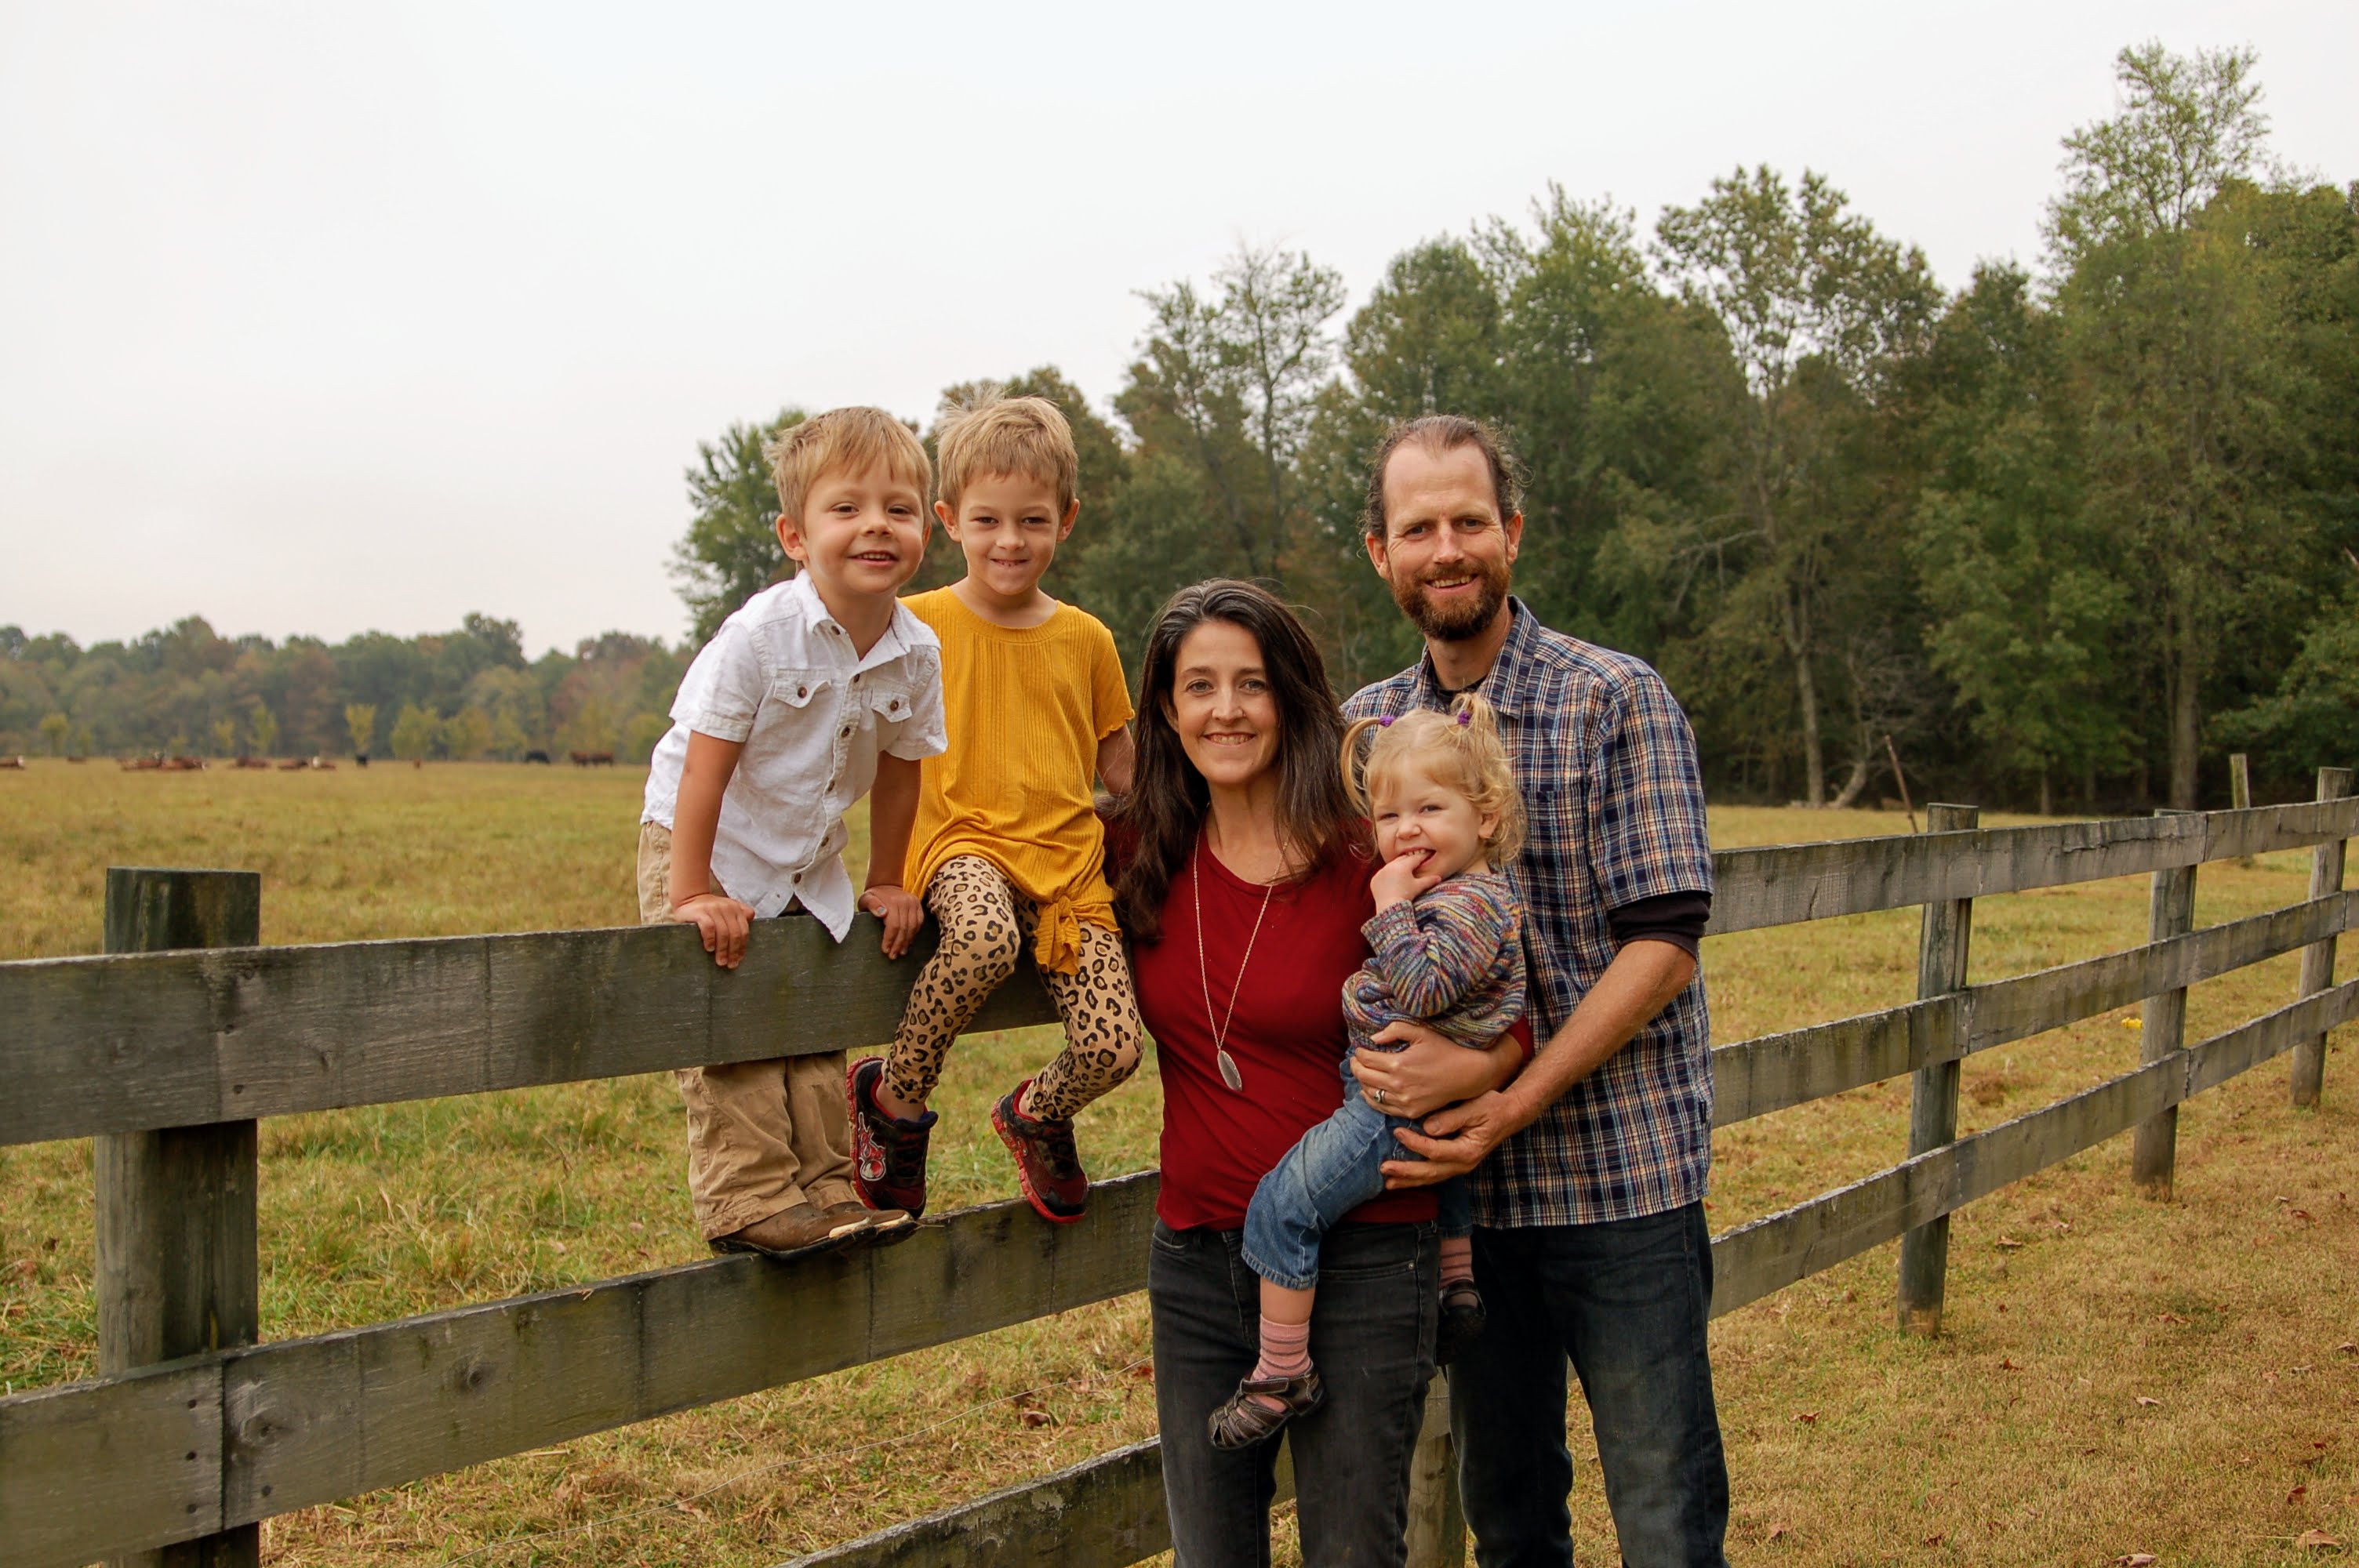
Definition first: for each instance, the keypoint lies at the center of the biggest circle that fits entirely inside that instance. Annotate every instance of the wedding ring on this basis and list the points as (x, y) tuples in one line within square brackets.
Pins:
[(1377, 1096)]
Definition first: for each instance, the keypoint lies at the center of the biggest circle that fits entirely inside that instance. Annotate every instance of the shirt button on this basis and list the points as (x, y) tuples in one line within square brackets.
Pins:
[(798, 876), (803, 691), (846, 731)]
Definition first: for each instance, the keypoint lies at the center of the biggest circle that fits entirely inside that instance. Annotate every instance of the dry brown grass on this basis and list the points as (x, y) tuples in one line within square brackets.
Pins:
[(2017, 1438)]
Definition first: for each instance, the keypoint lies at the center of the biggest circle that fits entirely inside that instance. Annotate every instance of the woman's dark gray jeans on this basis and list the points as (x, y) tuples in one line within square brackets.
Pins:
[(1372, 1337)]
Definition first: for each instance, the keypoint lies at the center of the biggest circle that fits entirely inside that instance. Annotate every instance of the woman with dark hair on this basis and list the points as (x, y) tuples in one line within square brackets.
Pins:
[(1243, 882)]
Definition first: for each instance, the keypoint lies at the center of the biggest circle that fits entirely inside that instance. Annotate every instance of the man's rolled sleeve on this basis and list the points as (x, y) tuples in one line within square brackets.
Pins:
[(1647, 834)]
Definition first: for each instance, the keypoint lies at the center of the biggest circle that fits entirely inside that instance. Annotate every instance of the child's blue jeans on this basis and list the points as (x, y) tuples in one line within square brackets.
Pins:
[(1332, 1170)]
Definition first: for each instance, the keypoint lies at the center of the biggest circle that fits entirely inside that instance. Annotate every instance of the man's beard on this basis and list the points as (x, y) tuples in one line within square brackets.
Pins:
[(1462, 618)]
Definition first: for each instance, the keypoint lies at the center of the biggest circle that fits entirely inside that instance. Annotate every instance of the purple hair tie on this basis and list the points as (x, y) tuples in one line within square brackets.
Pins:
[(1465, 714), (1384, 723)]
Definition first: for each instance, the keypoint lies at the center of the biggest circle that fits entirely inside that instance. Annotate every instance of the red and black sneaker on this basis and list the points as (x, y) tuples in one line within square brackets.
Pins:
[(889, 1156), (1047, 1163)]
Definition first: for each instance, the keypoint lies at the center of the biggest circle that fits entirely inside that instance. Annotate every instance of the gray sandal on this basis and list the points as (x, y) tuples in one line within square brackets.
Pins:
[(1242, 1421)]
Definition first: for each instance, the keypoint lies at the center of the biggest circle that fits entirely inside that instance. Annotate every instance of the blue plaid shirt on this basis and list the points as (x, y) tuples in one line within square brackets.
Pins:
[(1607, 764)]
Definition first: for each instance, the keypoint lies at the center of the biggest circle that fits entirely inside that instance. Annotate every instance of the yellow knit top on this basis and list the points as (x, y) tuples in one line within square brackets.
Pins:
[(1026, 710)]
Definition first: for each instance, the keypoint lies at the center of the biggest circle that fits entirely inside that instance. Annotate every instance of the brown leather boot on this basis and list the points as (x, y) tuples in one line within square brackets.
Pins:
[(795, 1229)]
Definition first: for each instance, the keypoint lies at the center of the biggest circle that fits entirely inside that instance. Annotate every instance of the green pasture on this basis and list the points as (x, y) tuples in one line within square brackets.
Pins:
[(2117, 1376)]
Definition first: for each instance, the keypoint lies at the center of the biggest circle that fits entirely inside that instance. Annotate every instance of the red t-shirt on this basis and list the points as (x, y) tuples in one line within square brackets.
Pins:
[(1288, 1037)]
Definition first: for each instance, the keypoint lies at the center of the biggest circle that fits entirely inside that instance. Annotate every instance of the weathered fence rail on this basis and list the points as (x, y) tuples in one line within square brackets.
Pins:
[(167, 1056)]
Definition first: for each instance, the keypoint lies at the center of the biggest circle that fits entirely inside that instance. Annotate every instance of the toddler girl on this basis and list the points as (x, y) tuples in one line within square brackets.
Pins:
[(1448, 951)]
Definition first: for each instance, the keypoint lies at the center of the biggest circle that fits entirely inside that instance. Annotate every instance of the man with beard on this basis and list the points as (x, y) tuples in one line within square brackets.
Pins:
[(1590, 1167)]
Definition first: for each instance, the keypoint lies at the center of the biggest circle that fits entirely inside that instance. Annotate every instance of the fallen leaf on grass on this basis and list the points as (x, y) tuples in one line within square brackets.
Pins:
[(2173, 1317), (1936, 1538), (2135, 1560), (2317, 1541), (2347, 1349), (1035, 1418), (2297, 1494), (2006, 1365), (2149, 1404), (2007, 1242), (2299, 1213), (1807, 1418)]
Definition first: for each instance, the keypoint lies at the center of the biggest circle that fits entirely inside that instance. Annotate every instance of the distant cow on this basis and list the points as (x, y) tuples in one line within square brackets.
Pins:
[(253, 762), (142, 764), (293, 764), (325, 764), (183, 764), (12, 762), (540, 757), (360, 759), (592, 759)]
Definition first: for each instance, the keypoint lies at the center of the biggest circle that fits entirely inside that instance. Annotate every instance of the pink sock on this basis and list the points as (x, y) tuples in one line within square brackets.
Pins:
[(1457, 1261), (1285, 1353)]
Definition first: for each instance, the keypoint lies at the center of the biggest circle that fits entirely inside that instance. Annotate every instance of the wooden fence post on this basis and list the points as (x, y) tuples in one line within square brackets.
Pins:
[(2154, 1146), (1933, 1097), (2240, 795), (177, 1258), (1437, 1522), (2317, 959)]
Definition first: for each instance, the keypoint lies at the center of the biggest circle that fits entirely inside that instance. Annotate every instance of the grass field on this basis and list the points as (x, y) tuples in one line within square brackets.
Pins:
[(2117, 1376)]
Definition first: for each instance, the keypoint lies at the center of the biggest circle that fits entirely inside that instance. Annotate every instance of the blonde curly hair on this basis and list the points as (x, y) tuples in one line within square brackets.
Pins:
[(1459, 750)]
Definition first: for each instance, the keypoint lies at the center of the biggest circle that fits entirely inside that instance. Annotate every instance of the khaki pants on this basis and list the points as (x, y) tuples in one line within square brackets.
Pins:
[(762, 1136)]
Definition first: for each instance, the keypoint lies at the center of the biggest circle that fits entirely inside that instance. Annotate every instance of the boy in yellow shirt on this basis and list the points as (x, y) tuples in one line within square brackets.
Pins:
[(1007, 847)]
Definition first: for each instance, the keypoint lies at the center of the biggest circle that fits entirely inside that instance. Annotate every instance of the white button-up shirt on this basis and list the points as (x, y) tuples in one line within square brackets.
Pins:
[(781, 678)]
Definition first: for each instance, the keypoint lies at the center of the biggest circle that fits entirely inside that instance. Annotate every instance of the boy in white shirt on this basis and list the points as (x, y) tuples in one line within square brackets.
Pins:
[(817, 688)]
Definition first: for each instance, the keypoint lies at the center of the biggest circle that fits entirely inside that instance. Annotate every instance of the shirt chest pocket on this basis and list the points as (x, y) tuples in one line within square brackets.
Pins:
[(890, 703), (801, 689)]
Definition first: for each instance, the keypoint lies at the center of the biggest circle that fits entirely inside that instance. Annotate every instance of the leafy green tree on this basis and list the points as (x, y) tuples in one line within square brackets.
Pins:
[(224, 731), (465, 735), (508, 741), (1227, 382), (360, 719), (2312, 719), (2176, 347), (264, 726), (54, 725), (415, 732), (731, 550), (2028, 609), (1817, 307)]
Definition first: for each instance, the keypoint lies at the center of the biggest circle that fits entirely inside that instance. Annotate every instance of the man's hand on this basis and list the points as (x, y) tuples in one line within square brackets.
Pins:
[(722, 920), (1455, 1140), (901, 911), (1400, 879)]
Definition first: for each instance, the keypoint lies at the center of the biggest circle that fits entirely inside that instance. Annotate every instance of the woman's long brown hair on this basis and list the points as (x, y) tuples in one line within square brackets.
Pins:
[(1165, 809)]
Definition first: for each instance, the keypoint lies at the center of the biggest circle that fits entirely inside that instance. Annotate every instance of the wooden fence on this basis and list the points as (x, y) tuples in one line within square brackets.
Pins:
[(168, 1049)]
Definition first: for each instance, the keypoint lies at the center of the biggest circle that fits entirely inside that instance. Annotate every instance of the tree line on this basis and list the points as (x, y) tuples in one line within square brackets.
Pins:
[(2063, 536), (465, 694)]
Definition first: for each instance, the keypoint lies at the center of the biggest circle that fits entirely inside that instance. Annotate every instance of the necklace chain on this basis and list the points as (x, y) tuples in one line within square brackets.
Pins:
[(1228, 1065)]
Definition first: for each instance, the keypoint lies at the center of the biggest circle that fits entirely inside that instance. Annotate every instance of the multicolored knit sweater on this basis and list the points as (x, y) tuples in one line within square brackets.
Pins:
[(1451, 958)]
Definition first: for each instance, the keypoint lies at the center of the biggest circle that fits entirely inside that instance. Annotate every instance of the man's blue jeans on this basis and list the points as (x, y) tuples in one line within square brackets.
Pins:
[(1626, 1303), (1332, 1170)]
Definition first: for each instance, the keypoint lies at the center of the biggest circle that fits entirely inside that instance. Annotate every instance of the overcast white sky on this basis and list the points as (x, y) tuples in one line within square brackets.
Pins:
[(329, 318)]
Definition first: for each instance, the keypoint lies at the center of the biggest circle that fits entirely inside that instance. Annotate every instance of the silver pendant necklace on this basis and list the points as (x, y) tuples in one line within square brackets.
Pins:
[(1228, 1065)]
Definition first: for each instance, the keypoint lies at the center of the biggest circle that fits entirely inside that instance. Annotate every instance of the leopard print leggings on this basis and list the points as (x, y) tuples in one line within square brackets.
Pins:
[(985, 927)]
